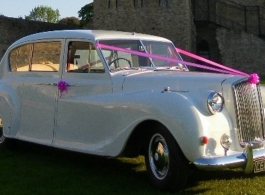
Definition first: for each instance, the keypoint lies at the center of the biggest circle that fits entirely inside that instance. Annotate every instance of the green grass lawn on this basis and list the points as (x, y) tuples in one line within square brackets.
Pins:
[(32, 169)]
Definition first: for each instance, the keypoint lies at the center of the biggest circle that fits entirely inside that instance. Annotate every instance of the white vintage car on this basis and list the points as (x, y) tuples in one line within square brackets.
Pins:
[(113, 94)]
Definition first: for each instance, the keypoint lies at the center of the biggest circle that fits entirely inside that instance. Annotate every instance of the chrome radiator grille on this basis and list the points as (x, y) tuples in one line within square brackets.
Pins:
[(249, 110)]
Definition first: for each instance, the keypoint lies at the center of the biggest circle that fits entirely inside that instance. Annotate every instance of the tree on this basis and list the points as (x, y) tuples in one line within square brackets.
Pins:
[(44, 14), (71, 21), (86, 14)]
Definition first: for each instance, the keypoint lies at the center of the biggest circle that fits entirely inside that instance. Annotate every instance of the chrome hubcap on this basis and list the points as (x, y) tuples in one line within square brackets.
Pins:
[(158, 156)]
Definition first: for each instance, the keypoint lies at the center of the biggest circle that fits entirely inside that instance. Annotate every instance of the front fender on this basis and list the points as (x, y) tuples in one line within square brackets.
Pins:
[(184, 114), (174, 110)]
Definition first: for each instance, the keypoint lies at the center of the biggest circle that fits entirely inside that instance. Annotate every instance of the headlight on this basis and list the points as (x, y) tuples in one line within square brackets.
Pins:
[(215, 102)]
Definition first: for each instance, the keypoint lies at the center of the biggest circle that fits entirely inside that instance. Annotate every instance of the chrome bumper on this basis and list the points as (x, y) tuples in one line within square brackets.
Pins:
[(244, 160)]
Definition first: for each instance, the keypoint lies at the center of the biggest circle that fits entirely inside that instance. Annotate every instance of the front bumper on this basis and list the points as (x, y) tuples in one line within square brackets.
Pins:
[(244, 160)]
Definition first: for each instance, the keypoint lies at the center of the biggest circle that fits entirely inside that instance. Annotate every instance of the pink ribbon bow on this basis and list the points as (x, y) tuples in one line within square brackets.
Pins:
[(62, 86), (253, 78)]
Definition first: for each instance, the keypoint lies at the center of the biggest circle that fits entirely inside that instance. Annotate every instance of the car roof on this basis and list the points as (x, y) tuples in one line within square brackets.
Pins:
[(92, 35)]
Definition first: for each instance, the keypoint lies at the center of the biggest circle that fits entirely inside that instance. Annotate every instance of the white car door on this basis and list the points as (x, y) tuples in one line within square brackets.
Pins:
[(81, 109), (39, 92)]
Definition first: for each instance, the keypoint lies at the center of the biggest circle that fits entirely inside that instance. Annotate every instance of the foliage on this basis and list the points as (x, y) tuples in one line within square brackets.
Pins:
[(44, 14), (70, 21), (86, 14)]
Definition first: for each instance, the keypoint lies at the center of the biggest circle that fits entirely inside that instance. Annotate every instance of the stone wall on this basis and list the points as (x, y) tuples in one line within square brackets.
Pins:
[(242, 51), (174, 21), (239, 17), (207, 44), (12, 29), (230, 44), (245, 15), (235, 48)]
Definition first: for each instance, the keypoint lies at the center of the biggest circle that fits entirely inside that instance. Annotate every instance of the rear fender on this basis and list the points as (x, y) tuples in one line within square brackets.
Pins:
[(9, 110)]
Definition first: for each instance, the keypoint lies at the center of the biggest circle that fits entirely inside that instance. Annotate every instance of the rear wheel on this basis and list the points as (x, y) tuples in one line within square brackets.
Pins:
[(166, 165), (2, 137), (7, 142)]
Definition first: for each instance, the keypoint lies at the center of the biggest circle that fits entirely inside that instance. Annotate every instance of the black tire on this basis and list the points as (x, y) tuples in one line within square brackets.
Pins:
[(2, 138), (166, 165), (7, 142)]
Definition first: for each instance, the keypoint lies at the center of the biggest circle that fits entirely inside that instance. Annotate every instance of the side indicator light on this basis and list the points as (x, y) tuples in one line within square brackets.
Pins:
[(204, 140)]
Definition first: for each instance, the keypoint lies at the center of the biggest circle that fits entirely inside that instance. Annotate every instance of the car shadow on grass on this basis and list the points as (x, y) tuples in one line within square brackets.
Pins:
[(198, 179), (77, 172), (88, 174)]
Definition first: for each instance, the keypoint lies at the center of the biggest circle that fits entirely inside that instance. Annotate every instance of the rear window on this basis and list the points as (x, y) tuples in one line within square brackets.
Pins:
[(41, 56)]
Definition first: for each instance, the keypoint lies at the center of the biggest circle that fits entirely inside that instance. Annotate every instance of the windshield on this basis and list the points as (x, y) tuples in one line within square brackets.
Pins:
[(140, 54)]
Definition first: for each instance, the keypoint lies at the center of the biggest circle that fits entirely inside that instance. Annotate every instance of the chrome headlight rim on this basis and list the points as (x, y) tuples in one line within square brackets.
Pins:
[(215, 102)]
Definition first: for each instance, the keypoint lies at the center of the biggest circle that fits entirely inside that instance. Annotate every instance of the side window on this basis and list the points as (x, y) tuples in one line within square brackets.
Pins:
[(44, 56), (83, 58), (19, 58)]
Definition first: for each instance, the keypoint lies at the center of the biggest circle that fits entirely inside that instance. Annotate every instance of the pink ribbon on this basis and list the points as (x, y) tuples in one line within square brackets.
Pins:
[(253, 78), (210, 62)]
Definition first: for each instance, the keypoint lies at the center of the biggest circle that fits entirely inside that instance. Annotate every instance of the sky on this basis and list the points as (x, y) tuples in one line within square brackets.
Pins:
[(21, 8)]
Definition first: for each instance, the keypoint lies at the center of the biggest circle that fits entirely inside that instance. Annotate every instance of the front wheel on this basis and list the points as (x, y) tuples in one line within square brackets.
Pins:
[(166, 165)]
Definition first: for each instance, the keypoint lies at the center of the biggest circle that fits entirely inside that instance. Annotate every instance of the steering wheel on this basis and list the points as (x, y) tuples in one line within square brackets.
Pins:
[(117, 65)]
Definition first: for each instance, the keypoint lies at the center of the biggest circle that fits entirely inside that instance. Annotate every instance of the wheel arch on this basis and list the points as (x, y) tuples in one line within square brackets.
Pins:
[(6, 117), (178, 113), (138, 138), (136, 141), (9, 111)]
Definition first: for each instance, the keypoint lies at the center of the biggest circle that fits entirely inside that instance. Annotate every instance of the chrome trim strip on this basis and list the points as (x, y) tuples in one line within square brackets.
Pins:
[(244, 160)]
